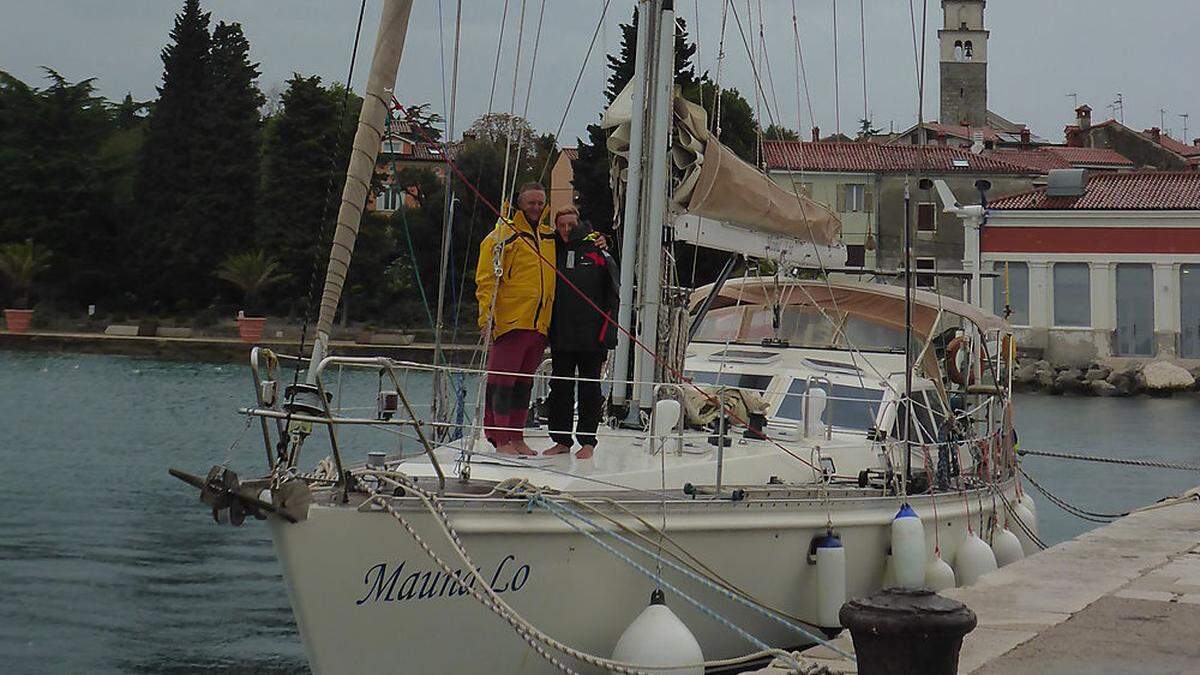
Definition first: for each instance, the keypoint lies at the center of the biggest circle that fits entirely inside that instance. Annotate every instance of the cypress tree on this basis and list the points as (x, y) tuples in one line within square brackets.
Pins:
[(233, 127), (296, 172), (173, 171)]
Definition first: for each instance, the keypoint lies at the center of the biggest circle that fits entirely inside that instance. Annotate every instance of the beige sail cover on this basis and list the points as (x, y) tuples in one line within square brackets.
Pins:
[(710, 180)]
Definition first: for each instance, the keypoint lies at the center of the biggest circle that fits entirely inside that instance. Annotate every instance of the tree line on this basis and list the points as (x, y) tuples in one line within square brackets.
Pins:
[(212, 198)]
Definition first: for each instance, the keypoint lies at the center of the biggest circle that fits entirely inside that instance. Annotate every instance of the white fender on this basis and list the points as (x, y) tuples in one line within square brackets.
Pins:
[(1006, 546), (831, 580), (973, 559), (908, 548), (938, 574), (658, 638)]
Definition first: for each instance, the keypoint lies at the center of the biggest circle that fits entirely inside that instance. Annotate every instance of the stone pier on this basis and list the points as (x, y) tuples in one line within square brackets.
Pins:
[(1123, 598)]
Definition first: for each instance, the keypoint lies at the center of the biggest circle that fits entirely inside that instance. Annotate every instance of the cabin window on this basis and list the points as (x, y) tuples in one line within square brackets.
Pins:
[(1011, 288), (848, 406), (808, 326), (923, 422), (926, 280), (723, 379), (1072, 295), (721, 325), (864, 334)]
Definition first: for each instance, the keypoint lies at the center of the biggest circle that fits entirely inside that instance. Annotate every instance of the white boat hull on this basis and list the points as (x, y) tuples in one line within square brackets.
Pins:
[(367, 598)]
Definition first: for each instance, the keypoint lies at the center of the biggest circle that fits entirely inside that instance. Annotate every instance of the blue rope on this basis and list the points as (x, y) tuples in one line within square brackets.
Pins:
[(551, 506)]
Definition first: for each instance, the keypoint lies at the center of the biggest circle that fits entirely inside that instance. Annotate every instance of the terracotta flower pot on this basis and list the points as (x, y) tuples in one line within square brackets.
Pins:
[(18, 319), (250, 328)]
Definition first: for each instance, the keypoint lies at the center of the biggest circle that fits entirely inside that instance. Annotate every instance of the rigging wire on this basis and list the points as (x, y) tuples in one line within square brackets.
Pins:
[(496, 65), (575, 88), (862, 34), (837, 101), (802, 74), (334, 169)]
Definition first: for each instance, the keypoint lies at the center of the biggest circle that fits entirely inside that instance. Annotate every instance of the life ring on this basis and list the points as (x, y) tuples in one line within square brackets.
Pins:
[(950, 360)]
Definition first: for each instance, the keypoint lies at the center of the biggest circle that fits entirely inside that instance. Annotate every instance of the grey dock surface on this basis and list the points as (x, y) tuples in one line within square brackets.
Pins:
[(1123, 598)]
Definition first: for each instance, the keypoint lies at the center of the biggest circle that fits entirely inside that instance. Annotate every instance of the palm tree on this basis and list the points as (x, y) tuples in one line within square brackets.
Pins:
[(20, 263), (252, 272)]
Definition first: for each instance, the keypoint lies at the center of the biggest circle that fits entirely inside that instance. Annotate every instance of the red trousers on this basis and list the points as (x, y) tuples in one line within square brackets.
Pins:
[(506, 402)]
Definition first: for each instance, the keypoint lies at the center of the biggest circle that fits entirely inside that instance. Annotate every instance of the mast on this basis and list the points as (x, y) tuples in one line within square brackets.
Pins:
[(439, 376), (630, 221), (385, 63), (659, 106)]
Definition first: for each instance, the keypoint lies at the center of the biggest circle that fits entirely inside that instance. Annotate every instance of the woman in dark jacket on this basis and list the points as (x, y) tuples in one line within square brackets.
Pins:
[(580, 336)]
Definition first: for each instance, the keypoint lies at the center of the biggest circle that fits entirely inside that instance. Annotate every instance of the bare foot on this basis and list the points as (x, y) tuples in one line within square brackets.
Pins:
[(585, 452), (558, 449), (509, 448), (524, 449)]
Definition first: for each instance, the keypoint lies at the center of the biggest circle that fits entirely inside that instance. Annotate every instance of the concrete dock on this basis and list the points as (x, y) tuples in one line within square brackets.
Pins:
[(1123, 598)]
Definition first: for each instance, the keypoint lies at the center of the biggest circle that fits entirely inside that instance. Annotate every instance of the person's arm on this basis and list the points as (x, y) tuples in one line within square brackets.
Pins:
[(485, 282)]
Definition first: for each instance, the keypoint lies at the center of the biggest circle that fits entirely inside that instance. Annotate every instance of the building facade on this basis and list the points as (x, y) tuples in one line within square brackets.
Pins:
[(562, 180), (865, 183), (1113, 270)]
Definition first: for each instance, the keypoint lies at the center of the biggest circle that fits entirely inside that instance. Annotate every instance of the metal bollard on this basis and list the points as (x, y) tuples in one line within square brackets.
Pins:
[(902, 631)]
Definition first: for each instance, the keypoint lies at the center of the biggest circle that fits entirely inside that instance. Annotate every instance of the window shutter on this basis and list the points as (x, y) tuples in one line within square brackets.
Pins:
[(869, 200), (841, 197)]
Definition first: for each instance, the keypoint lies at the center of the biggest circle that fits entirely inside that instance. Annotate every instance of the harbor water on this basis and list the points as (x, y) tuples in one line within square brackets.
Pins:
[(107, 564)]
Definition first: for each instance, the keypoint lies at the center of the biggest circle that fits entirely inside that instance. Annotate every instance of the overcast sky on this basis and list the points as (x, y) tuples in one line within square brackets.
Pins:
[(1039, 52)]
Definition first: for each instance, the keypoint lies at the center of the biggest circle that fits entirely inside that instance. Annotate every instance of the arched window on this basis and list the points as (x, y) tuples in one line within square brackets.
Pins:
[(958, 50), (968, 51)]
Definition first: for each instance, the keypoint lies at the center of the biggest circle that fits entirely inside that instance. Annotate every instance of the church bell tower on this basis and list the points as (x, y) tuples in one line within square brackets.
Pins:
[(963, 69)]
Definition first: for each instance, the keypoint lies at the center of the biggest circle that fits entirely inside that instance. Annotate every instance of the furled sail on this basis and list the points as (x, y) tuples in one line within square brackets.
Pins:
[(385, 62), (709, 180)]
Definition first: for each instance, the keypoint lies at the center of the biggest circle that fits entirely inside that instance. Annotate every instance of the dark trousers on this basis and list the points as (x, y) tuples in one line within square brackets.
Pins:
[(562, 395)]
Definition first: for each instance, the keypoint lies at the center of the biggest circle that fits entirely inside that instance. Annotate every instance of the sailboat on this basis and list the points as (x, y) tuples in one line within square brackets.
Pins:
[(787, 442)]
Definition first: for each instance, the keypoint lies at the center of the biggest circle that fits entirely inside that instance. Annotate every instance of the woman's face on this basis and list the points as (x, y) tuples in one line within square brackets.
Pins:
[(565, 224)]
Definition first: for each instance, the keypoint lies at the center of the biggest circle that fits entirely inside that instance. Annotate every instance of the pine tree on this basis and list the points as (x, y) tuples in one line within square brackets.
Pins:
[(298, 206), (231, 122), (173, 172)]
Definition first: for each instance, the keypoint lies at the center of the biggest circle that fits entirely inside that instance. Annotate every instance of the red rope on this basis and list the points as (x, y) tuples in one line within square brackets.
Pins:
[(558, 273)]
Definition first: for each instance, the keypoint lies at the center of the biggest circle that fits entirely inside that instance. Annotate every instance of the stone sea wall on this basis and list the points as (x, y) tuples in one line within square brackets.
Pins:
[(1156, 378)]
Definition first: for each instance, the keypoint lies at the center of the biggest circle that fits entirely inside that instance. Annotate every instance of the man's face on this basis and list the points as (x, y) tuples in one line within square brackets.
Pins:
[(565, 224), (532, 203)]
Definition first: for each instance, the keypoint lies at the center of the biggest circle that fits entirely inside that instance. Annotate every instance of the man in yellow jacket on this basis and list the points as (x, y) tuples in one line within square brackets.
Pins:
[(514, 284)]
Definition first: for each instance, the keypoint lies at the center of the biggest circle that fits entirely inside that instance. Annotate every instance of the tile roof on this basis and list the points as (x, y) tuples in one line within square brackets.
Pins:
[(1142, 191), (1047, 158), (1036, 159), (1176, 146), (571, 153), (880, 158), (1081, 157), (419, 151)]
